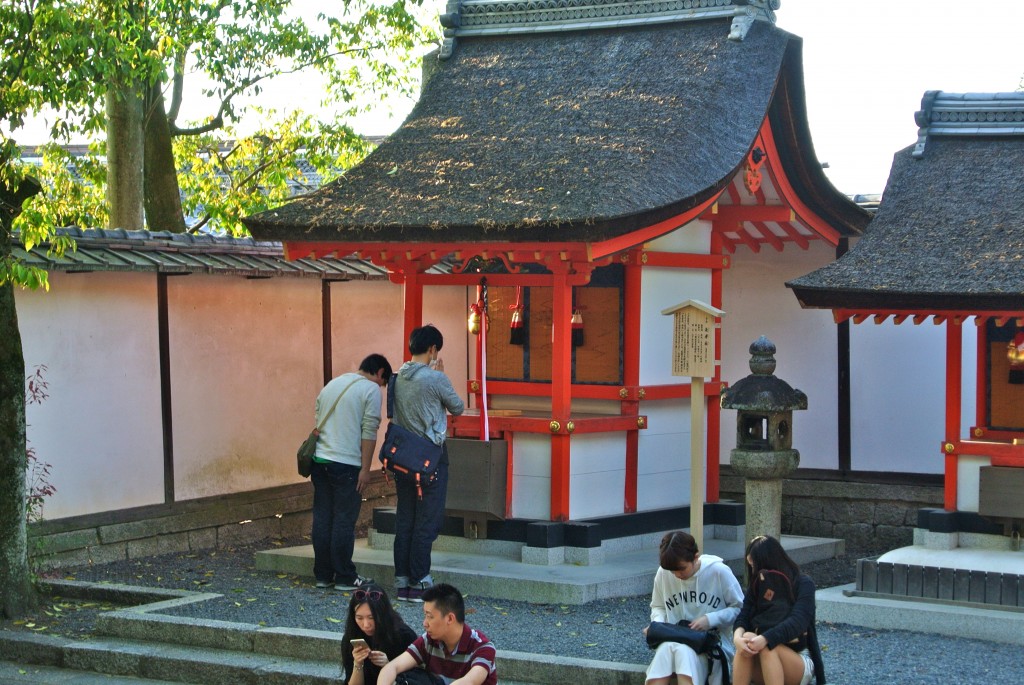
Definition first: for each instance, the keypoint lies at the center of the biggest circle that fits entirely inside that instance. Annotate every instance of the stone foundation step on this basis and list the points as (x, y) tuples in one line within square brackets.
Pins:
[(161, 661), (625, 574)]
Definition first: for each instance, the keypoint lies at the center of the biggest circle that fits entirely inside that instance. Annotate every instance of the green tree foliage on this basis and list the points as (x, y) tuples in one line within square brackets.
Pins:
[(105, 68)]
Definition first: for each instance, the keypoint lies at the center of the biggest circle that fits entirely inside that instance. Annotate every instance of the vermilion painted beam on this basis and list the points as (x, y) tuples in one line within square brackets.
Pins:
[(743, 236), (786, 191), (741, 213), (714, 407), (561, 395), (980, 375), (954, 361), (506, 280), (1001, 453), (920, 316), (802, 240), (769, 236), (683, 260), (621, 243), (632, 284), (468, 424), (413, 310)]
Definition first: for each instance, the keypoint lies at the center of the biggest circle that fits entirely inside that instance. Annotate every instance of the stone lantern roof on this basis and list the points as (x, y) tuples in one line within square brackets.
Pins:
[(762, 391)]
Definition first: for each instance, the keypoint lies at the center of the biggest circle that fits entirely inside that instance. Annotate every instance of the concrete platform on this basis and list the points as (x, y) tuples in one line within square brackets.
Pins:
[(842, 605), (500, 574)]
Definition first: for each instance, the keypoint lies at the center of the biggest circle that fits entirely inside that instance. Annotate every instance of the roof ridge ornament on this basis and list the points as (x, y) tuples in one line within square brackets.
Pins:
[(463, 18), (968, 114)]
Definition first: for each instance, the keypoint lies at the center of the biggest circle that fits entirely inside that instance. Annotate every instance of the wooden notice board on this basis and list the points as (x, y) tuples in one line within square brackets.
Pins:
[(693, 338)]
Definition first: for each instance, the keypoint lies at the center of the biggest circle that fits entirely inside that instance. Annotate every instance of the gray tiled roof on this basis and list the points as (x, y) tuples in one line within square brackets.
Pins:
[(164, 252), (949, 232)]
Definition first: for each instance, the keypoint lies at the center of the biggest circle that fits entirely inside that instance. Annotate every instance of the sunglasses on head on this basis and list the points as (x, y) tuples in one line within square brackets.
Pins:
[(372, 595)]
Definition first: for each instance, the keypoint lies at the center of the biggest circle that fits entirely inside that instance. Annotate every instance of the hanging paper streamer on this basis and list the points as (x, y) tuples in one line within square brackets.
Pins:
[(485, 432), (517, 333)]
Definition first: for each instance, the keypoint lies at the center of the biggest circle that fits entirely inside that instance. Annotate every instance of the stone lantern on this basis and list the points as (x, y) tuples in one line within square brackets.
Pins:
[(764, 437)]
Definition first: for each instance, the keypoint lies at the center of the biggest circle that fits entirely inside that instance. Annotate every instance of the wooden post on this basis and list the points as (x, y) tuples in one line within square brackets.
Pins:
[(693, 355)]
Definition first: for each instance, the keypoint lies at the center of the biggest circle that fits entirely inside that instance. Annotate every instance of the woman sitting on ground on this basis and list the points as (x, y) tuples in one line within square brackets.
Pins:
[(698, 588), (775, 640), (372, 618)]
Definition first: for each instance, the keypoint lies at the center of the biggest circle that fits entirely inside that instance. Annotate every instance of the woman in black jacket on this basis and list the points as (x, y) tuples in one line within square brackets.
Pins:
[(372, 618), (774, 635)]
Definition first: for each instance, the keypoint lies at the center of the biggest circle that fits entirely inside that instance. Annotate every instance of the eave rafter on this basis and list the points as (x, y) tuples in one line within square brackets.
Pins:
[(917, 317)]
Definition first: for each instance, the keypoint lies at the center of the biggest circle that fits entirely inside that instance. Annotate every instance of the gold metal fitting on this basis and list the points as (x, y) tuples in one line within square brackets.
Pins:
[(624, 258), (948, 447), (570, 427), (643, 258), (979, 432), (641, 393), (641, 422), (554, 426), (623, 393), (475, 386), (725, 261)]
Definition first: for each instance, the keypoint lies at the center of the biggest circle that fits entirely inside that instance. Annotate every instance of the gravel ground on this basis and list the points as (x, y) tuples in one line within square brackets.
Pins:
[(606, 630)]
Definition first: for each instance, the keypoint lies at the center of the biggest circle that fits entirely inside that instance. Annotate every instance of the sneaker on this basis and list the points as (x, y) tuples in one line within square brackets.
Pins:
[(415, 593), (403, 594), (355, 584), (324, 584)]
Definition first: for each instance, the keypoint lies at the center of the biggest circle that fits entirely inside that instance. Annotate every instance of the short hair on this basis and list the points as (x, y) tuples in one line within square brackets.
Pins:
[(676, 548), (374, 363), (447, 599), (423, 338)]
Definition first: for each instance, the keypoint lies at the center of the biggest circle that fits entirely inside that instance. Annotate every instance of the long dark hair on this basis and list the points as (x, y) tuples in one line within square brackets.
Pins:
[(765, 552), (386, 621), (676, 548)]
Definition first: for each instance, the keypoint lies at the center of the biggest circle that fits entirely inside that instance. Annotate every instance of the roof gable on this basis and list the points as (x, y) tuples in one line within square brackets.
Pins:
[(949, 232), (576, 136)]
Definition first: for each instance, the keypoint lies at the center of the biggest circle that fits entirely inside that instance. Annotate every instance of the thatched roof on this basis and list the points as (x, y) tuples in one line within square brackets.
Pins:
[(949, 233), (573, 136)]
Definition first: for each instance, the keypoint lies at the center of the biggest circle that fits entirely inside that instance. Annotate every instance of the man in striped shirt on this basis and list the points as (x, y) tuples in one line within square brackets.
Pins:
[(449, 649)]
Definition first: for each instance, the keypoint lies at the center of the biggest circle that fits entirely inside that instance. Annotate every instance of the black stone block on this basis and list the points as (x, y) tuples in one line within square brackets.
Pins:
[(582, 534), (545, 534)]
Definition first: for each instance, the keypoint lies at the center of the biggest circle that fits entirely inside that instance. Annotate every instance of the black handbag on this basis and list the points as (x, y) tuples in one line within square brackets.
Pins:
[(406, 454), (707, 642)]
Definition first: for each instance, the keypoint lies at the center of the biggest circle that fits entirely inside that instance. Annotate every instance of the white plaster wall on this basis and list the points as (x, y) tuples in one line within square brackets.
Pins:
[(531, 476), (663, 469), (366, 317), (694, 237), (664, 288), (597, 475), (447, 307), (757, 302), (100, 428), (247, 366), (898, 386), (968, 485)]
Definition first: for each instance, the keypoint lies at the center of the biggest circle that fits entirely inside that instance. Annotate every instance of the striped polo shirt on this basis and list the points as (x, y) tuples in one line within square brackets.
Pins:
[(473, 649)]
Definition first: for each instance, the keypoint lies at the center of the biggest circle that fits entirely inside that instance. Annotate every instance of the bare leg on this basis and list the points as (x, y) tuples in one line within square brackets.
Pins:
[(780, 666), (742, 668)]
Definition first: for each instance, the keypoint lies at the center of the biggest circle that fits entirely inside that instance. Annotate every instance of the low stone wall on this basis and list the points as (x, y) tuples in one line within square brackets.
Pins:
[(201, 524), (870, 516)]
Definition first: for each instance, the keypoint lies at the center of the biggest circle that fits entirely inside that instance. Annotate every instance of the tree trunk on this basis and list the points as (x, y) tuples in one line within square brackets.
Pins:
[(17, 594), (162, 195), (125, 151)]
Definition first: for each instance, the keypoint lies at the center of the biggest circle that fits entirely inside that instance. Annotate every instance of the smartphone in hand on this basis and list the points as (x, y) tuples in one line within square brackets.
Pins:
[(359, 642)]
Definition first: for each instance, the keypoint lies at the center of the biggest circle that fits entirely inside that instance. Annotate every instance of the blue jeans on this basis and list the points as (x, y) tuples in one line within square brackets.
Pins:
[(336, 507), (418, 523)]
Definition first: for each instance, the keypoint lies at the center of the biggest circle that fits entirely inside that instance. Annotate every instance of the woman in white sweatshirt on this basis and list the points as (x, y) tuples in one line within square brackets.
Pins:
[(698, 588)]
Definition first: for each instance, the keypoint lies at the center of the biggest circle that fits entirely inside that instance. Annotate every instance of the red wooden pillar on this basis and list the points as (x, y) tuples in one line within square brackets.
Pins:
[(714, 405), (954, 362), (412, 293), (561, 392), (981, 372), (631, 373)]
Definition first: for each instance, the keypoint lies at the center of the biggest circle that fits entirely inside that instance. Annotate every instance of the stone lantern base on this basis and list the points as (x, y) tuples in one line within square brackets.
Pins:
[(764, 472)]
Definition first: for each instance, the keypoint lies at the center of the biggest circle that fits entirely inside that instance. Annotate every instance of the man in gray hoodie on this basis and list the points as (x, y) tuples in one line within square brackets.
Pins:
[(423, 393)]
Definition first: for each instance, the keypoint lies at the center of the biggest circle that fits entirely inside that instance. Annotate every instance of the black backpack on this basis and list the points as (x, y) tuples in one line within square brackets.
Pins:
[(773, 599)]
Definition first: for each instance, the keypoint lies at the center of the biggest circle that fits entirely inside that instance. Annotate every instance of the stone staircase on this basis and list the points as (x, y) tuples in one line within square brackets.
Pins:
[(139, 642)]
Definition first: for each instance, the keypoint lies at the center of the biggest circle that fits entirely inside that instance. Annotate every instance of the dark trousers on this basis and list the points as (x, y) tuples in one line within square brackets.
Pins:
[(335, 510), (418, 523)]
